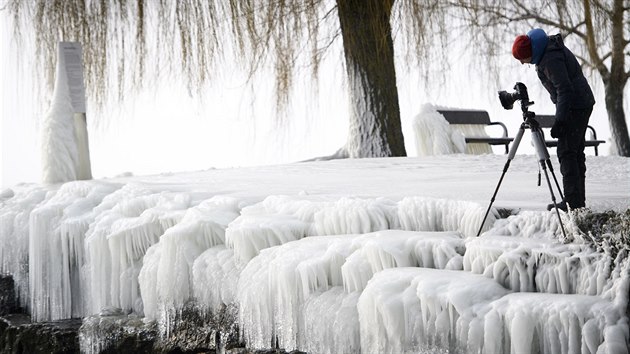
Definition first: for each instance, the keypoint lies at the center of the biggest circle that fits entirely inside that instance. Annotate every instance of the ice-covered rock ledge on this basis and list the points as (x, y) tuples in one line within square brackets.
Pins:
[(374, 255)]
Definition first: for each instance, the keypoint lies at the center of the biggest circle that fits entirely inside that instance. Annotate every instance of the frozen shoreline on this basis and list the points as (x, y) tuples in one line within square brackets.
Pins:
[(150, 244)]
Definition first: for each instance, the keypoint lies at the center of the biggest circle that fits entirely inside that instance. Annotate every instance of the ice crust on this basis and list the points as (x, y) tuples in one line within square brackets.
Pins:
[(323, 273)]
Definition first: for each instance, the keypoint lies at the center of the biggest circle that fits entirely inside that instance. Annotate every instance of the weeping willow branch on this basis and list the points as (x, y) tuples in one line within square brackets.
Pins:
[(125, 40)]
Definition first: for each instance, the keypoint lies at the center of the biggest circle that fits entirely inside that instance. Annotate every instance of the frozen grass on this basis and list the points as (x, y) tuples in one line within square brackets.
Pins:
[(607, 231)]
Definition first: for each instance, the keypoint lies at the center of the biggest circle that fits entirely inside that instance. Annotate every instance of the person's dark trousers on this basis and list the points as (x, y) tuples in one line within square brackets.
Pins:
[(572, 159)]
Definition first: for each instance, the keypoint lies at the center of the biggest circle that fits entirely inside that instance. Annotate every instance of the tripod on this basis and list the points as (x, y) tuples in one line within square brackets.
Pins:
[(529, 122)]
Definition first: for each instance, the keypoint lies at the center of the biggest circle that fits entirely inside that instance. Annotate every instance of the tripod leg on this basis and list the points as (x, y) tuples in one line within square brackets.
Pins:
[(517, 141), (543, 157), (555, 179), (538, 139), (553, 197), (505, 168)]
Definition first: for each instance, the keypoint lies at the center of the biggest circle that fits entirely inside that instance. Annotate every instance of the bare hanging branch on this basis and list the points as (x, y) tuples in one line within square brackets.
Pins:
[(122, 39), (191, 37)]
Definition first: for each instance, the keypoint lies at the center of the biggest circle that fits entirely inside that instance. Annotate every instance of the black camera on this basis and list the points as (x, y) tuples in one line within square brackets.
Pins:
[(520, 93)]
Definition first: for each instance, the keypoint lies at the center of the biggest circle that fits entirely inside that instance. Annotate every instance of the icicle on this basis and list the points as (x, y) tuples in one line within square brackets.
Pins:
[(430, 214), (14, 235), (130, 221), (215, 276), (55, 258)]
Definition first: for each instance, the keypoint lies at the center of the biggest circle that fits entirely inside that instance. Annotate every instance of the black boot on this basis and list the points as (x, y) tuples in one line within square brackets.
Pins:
[(562, 206)]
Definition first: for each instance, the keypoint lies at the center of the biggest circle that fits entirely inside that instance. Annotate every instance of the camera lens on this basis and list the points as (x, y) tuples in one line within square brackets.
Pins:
[(507, 99)]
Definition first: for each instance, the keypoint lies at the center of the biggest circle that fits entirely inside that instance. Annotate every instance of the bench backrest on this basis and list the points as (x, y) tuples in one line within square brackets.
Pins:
[(465, 117), (545, 121)]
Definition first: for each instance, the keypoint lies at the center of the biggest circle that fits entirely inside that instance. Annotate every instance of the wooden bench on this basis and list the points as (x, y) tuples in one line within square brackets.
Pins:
[(546, 121), (477, 117)]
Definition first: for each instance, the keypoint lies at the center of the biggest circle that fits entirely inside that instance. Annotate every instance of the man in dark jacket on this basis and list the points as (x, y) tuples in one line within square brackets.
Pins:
[(561, 74)]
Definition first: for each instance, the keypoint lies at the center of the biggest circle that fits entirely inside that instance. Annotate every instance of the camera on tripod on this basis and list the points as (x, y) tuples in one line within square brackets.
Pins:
[(538, 140), (520, 93)]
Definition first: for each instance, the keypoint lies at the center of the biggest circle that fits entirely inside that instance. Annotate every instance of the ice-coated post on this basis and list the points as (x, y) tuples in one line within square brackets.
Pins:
[(65, 146), (84, 168), (72, 53)]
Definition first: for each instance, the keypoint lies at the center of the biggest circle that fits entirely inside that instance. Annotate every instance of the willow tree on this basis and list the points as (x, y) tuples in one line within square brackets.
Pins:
[(598, 29), (122, 38)]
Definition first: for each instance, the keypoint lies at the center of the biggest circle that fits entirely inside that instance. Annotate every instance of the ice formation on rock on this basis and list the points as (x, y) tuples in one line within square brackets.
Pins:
[(56, 249), (166, 279), (319, 273), (278, 220), (118, 240), (14, 236), (297, 272)]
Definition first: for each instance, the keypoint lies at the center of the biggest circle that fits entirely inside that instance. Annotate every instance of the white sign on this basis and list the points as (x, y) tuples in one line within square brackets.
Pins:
[(71, 54)]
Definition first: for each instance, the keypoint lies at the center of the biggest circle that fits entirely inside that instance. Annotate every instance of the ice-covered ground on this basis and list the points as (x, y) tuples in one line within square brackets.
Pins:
[(346, 256)]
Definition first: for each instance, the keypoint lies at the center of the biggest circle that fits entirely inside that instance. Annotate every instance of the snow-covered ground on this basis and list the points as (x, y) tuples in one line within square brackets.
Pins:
[(366, 255)]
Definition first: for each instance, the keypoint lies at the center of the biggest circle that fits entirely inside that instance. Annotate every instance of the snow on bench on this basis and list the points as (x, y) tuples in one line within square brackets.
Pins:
[(478, 118)]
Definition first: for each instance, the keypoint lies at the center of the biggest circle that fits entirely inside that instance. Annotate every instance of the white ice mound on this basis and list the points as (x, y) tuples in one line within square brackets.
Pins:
[(166, 276), (276, 220), (552, 323), (331, 320), (539, 265), (275, 285), (215, 277), (281, 219), (390, 249), (270, 291), (130, 222), (412, 310), (432, 214), (531, 224)]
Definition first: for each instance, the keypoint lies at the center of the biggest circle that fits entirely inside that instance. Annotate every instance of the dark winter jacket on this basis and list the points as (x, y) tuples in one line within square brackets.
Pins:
[(560, 73)]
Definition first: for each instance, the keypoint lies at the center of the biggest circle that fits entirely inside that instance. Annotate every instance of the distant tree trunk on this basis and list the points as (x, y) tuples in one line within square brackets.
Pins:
[(375, 127), (616, 82), (615, 77), (617, 117)]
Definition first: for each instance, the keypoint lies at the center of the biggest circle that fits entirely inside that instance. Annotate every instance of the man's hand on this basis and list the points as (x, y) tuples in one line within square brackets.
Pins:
[(558, 129)]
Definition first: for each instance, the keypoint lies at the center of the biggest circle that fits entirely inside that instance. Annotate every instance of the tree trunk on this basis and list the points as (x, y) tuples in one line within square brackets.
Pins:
[(375, 128), (616, 116), (615, 83)]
